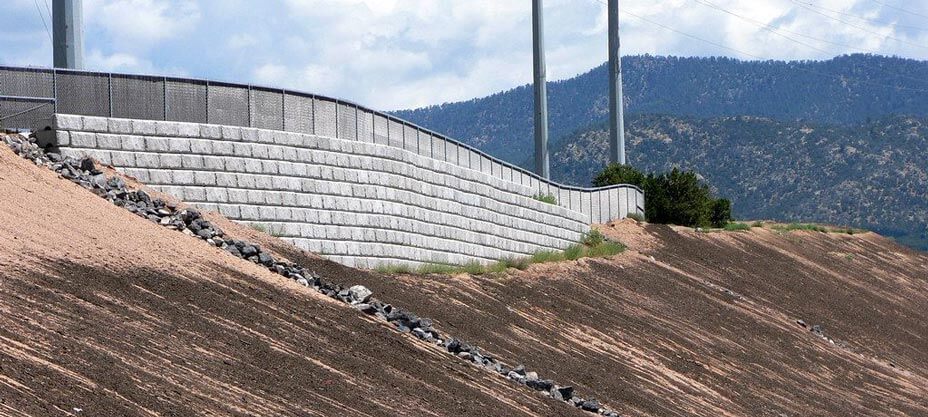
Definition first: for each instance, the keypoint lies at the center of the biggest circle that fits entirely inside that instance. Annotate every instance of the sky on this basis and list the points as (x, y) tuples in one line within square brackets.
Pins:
[(397, 54)]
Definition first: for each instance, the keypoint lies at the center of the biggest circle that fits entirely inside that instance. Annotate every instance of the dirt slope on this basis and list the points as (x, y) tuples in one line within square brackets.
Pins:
[(105, 314), (705, 324), (112, 315)]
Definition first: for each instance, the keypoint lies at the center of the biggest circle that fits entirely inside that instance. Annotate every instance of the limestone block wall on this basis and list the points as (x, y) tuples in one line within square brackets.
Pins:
[(359, 203)]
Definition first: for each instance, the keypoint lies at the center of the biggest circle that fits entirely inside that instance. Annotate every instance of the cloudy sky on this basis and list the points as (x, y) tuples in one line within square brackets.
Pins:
[(392, 54)]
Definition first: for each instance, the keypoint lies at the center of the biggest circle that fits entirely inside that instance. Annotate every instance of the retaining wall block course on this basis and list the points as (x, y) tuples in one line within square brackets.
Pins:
[(201, 146), (217, 195), (249, 134), (270, 167), (246, 181), (192, 162), (169, 129), (264, 182), (157, 144), (194, 194), (230, 211), (188, 130), (226, 180), (250, 213), (83, 140), (160, 176), (257, 198), (210, 131), (223, 148), (243, 150), (273, 199), (144, 127), (232, 133), (231, 164), (139, 174), (95, 124), (266, 136), (62, 138), (275, 152), (238, 196), (119, 126), (67, 122), (204, 178), (213, 163), (182, 178), (253, 166), (168, 161), (122, 159), (147, 160)]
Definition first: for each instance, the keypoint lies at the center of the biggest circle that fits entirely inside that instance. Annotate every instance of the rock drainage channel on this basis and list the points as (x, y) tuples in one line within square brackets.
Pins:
[(85, 173)]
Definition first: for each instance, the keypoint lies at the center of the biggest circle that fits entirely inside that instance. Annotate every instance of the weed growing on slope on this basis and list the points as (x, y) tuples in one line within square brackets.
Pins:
[(546, 198), (736, 227), (593, 245)]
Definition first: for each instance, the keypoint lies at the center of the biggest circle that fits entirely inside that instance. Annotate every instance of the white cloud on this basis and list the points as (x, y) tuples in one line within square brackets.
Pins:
[(393, 54)]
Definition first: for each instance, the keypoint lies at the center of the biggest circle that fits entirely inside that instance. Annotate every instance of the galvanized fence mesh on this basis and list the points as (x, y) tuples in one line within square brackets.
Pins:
[(32, 95)]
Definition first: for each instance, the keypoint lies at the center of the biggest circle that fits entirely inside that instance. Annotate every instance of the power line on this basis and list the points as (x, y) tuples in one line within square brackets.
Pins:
[(776, 30), (868, 20), (42, 16), (884, 4), (806, 6), (760, 58)]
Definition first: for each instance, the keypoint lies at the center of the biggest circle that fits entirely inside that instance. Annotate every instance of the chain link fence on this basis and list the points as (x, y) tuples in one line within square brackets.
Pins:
[(30, 96)]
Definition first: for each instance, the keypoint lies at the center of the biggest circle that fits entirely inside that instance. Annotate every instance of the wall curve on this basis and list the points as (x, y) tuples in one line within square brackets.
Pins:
[(359, 203)]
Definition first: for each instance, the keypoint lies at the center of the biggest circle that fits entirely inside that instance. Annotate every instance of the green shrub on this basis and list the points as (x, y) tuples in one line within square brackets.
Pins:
[(676, 197), (546, 198), (605, 249), (593, 238), (439, 269), (737, 227), (474, 268), (757, 224), (394, 269), (547, 256), (721, 212), (574, 252)]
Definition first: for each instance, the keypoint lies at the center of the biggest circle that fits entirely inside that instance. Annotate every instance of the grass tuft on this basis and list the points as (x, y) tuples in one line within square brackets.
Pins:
[(546, 198), (736, 227), (593, 245)]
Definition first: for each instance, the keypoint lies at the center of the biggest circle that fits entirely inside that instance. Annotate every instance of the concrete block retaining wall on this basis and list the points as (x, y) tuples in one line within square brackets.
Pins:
[(359, 203)]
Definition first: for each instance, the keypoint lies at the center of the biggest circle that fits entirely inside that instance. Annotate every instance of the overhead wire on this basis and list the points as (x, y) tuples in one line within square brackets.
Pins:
[(882, 3), (758, 57), (776, 31), (865, 19), (42, 16), (813, 10)]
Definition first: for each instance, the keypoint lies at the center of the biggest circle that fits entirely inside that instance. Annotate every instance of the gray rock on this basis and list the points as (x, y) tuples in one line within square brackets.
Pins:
[(531, 376), (590, 405), (562, 393), (303, 282), (359, 294)]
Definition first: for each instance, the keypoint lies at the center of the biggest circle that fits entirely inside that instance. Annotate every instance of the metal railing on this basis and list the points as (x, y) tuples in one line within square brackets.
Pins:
[(28, 95)]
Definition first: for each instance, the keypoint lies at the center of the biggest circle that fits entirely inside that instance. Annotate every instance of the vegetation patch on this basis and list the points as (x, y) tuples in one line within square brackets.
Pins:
[(736, 227), (546, 198), (809, 227), (593, 245), (676, 197)]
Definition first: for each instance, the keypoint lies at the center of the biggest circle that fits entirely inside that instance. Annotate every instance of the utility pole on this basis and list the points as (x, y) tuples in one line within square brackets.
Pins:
[(616, 102), (542, 167), (68, 28)]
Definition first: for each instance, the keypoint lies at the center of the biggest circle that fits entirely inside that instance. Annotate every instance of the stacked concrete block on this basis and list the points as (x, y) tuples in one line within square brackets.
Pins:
[(364, 203)]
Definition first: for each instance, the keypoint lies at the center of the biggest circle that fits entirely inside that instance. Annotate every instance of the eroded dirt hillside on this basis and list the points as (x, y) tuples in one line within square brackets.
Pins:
[(105, 313), (707, 324)]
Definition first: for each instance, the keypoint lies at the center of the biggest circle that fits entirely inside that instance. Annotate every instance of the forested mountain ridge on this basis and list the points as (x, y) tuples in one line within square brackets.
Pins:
[(870, 175), (845, 90)]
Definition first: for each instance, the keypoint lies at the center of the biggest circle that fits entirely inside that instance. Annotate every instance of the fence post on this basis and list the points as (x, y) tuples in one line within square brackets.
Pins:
[(109, 84), (207, 102), (250, 123), (55, 88), (164, 94), (283, 110)]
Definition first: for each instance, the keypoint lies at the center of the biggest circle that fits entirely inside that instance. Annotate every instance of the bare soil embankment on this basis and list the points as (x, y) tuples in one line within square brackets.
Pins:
[(104, 313), (705, 324), (109, 314)]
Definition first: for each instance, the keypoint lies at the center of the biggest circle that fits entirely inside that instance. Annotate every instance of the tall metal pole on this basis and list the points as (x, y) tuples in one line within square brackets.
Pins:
[(616, 102), (68, 29), (542, 167)]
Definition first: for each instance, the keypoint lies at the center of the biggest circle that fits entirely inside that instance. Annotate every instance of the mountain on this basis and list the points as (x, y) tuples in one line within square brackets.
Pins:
[(870, 175), (844, 90)]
